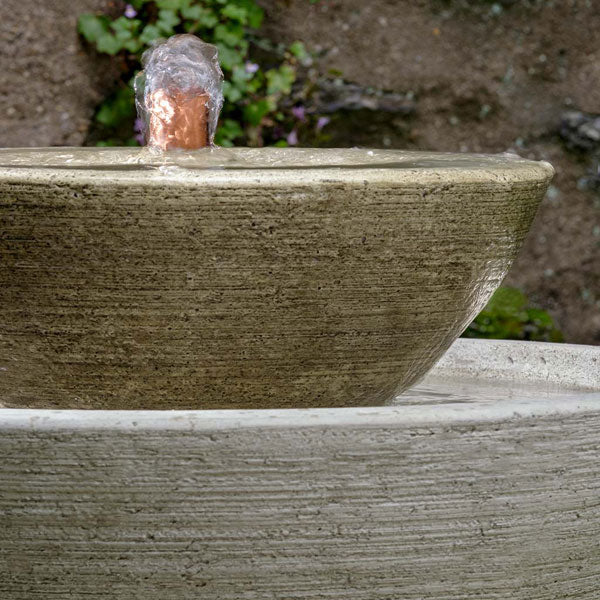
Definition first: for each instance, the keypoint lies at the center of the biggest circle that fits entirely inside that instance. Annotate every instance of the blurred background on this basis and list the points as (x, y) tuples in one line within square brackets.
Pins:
[(518, 76)]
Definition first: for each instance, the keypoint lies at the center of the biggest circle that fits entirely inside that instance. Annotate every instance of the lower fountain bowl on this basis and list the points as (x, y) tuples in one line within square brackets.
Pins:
[(245, 278), (482, 482)]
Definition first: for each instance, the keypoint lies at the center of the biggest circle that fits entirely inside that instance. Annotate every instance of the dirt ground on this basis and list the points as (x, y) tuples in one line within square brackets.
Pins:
[(49, 86), (483, 77)]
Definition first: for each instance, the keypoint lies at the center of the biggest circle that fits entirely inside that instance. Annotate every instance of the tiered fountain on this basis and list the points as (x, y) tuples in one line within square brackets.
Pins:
[(281, 301)]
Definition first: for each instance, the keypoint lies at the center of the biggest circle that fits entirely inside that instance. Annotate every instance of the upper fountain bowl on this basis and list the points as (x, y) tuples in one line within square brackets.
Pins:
[(245, 278)]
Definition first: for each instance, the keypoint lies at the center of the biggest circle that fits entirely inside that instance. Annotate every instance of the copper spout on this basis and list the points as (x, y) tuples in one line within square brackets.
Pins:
[(179, 93), (178, 119)]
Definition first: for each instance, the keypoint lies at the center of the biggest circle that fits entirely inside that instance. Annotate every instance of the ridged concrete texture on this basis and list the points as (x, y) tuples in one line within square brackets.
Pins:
[(465, 489), (245, 278)]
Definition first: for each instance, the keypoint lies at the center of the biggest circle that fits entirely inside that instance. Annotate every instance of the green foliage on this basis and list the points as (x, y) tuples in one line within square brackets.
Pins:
[(508, 316), (279, 81), (254, 96), (116, 108), (227, 131), (299, 51)]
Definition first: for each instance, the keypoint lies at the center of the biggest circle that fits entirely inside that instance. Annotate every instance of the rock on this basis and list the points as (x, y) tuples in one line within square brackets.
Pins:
[(581, 130), (335, 95)]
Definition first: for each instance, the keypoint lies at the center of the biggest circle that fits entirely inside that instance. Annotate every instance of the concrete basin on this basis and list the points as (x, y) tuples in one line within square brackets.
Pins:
[(245, 278), (482, 482)]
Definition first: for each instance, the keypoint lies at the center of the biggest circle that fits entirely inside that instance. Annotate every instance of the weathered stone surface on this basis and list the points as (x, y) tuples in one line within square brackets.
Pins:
[(442, 497), (581, 130), (287, 278), (333, 95)]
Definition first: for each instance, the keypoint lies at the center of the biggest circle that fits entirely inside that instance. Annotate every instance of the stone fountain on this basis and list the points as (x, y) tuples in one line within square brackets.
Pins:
[(246, 278), (286, 303)]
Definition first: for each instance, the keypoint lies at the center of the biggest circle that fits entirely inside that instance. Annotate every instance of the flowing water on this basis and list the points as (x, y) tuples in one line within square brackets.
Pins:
[(119, 159)]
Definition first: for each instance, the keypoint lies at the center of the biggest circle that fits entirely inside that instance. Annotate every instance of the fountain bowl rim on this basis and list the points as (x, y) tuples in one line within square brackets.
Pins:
[(276, 166)]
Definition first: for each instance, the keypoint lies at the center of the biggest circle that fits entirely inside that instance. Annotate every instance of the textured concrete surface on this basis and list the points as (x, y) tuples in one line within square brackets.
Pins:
[(442, 497), (127, 284), (540, 364)]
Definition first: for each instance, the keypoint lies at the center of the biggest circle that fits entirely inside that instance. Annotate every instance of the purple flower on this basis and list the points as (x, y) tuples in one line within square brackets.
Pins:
[(292, 138), (299, 112), (322, 122), (130, 12), (251, 67), (138, 127)]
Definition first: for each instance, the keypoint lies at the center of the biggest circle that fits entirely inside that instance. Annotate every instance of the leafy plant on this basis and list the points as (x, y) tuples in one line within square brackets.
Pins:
[(257, 108), (508, 316)]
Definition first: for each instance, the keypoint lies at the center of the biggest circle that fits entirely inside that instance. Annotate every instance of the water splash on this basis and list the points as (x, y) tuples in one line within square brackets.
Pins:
[(150, 158), (179, 93)]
